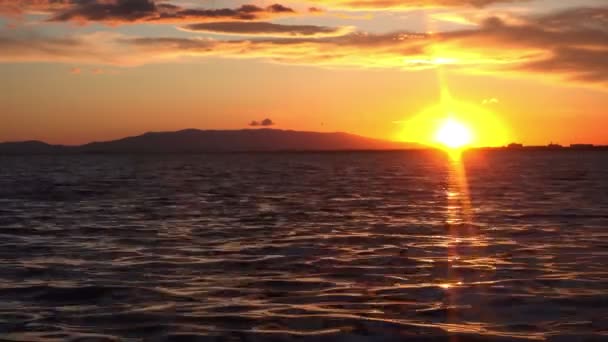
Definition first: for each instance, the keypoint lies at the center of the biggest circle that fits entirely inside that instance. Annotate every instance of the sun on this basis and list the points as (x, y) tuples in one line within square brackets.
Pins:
[(454, 126), (453, 134)]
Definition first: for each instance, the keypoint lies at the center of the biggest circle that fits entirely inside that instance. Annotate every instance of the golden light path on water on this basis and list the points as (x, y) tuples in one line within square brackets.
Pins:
[(454, 126), (459, 219), (466, 245)]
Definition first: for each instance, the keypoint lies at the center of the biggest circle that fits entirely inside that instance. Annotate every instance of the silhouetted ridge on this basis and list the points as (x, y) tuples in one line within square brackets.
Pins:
[(194, 140), (29, 147)]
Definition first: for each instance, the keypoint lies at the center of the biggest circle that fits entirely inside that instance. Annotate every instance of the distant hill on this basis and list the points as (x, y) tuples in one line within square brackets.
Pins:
[(193, 140), (30, 147)]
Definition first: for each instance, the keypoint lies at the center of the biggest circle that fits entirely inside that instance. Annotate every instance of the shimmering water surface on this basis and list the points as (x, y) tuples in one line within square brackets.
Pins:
[(330, 246)]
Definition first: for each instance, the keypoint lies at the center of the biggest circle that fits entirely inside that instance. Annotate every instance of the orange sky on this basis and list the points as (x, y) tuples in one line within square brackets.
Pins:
[(78, 72)]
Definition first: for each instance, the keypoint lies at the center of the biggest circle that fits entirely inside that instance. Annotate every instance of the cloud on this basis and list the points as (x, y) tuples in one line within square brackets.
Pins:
[(490, 101), (409, 4), (266, 123), (568, 45), (575, 48), (244, 12), (93, 48), (278, 8), (593, 18), (268, 29), (131, 11), (18, 7), (578, 64), (114, 10), (39, 48)]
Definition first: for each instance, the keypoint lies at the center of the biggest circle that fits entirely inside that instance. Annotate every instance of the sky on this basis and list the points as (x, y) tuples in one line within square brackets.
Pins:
[(75, 71)]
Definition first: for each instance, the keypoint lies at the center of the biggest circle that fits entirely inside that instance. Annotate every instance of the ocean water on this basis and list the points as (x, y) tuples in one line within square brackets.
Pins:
[(411, 246)]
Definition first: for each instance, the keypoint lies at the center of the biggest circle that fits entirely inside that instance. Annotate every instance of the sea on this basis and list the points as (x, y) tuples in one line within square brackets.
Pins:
[(336, 246)]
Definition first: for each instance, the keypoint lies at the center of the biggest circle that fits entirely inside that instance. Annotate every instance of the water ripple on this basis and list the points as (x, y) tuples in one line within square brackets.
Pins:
[(319, 247)]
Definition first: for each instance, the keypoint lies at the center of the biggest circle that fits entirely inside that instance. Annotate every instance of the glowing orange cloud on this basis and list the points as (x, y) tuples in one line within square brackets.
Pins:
[(409, 4), (567, 44)]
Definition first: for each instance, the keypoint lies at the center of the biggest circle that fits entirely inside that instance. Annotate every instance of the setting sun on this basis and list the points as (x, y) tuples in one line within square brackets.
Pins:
[(455, 125), (453, 134)]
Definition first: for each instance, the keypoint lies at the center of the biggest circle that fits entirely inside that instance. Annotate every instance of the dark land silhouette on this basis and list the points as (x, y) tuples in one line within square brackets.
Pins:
[(246, 140), (194, 140)]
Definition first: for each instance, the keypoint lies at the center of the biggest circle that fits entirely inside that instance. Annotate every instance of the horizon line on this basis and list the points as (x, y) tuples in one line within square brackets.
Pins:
[(420, 146)]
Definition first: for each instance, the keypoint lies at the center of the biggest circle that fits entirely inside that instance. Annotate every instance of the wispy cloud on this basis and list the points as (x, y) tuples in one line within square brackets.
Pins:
[(409, 4), (130, 11), (568, 45), (268, 29)]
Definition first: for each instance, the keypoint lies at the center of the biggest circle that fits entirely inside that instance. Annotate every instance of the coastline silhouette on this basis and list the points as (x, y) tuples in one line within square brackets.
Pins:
[(245, 140), (194, 140)]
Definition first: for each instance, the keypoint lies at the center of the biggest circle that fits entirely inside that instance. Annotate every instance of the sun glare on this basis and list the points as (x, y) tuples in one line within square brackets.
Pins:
[(453, 134), (454, 126)]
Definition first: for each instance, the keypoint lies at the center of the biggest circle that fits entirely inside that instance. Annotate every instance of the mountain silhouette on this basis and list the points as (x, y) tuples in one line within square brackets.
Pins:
[(194, 140), (30, 147)]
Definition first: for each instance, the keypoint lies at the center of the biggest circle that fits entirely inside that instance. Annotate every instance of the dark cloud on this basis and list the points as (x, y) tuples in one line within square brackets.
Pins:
[(579, 64), (278, 8), (130, 10), (266, 123), (120, 10), (244, 12), (569, 45), (267, 29), (124, 11)]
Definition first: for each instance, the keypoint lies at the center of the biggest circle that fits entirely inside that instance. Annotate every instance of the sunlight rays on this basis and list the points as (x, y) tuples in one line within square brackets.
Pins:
[(454, 126)]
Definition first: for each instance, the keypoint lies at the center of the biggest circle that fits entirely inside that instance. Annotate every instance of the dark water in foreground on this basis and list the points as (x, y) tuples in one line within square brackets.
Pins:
[(305, 247)]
